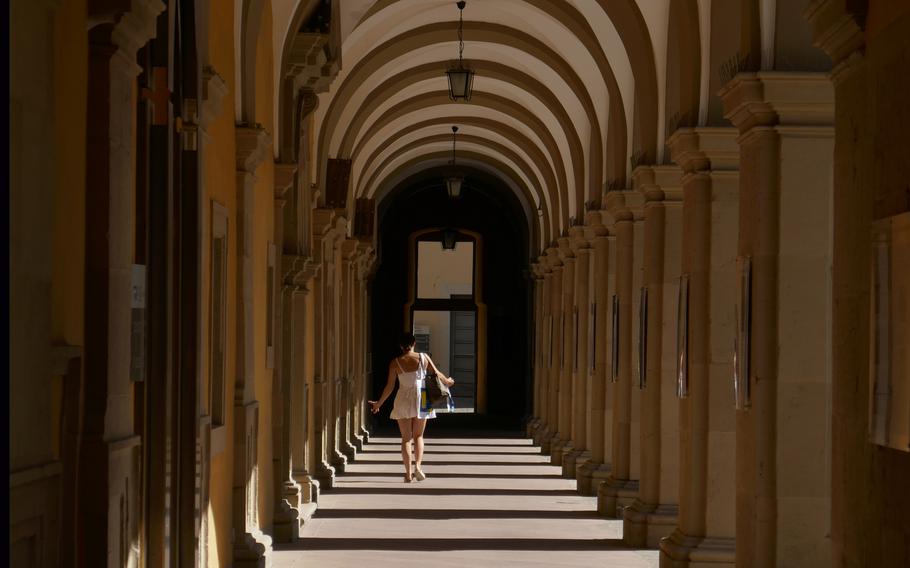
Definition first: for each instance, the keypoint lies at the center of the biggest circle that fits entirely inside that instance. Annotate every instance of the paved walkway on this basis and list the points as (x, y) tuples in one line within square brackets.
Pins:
[(485, 502)]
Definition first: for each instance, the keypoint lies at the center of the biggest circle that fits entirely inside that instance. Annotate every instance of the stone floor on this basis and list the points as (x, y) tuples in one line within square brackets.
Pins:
[(486, 502)]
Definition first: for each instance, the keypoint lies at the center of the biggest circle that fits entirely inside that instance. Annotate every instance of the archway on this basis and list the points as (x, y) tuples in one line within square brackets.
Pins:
[(488, 209)]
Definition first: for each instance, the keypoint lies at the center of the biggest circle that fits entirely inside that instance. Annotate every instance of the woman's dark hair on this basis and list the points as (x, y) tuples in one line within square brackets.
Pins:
[(406, 341)]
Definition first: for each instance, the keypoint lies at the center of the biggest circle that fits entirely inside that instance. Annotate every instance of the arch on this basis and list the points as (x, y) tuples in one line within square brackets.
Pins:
[(506, 106), (493, 33), (534, 153), (683, 81), (527, 166), (484, 162)]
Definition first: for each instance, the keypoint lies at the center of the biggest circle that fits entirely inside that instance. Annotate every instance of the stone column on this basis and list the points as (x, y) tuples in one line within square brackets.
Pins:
[(287, 491), (563, 441), (348, 340), (302, 272), (550, 438), (538, 323), (620, 488), (335, 344), (579, 354), (324, 473), (250, 544), (653, 515), (709, 158), (542, 271), (785, 233), (594, 470)]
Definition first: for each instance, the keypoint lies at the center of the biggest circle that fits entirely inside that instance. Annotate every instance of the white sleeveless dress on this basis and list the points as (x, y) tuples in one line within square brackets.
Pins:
[(410, 401)]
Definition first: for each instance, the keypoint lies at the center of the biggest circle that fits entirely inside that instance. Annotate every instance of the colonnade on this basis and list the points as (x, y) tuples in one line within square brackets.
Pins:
[(675, 375)]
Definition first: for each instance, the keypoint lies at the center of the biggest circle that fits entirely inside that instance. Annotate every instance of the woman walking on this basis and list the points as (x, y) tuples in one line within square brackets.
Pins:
[(411, 408)]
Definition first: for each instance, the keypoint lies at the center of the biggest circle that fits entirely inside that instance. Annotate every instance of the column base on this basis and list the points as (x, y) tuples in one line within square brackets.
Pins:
[(544, 439), (252, 549), (349, 451), (286, 523), (644, 525), (614, 495), (532, 426), (558, 448), (571, 460), (364, 435), (358, 443), (584, 475), (338, 461), (325, 475), (681, 551), (308, 488)]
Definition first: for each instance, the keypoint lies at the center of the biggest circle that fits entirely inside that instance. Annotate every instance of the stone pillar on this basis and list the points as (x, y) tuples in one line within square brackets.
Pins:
[(250, 543), (301, 272), (537, 321), (286, 514), (593, 471), (325, 473), (653, 515), (365, 267), (620, 488), (551, 439), (546, 331), (785, 236), (709, 158), (578, 356), (563, 422), (347, 344)]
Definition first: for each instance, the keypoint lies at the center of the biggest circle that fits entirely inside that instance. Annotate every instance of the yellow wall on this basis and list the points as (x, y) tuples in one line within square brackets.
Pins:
[(221, 186), (68, 284), (263, 227)]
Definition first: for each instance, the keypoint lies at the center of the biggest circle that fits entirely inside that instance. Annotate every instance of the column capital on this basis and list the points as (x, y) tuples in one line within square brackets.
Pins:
[(594, 226), (284, 177), (135, 26), (771, 98), (705, 148), (565, 249), (252, 147), (837, 28), (214, 90), (577, 239), (552, 259)]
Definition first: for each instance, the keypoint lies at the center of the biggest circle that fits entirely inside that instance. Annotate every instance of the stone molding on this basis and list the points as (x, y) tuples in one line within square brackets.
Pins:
[(308, 64), (284, 177), (769, 99), (252, 147), (578, 239), (565, 249), (703, 149), (834, 30), (552, 259), (137, 26), (214, 90)]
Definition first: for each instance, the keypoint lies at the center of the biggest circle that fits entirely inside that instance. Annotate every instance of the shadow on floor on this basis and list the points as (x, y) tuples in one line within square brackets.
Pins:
[(410, 489), (429, 544), (435, 475), (452, 514)]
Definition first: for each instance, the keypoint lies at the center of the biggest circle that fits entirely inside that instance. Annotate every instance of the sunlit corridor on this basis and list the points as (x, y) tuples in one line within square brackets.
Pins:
[(487, 501)]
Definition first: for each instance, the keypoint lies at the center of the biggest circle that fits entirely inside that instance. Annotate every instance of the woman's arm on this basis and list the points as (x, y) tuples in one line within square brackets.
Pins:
[(449, 381), (389, 385)]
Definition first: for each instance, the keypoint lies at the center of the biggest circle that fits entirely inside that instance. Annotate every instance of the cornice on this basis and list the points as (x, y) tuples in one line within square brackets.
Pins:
[(252, 147), (834, 31), (705, 148), (284, 178), (772, 98), (214, 90)]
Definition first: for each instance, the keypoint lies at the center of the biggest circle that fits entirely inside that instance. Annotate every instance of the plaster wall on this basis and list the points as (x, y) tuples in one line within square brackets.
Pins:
[(263, 231), (220, 186), (870, 503)]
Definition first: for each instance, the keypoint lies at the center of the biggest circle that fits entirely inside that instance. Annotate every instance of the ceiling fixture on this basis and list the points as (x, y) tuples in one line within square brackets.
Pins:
[(455, 178), (449, 239), (461, 78)]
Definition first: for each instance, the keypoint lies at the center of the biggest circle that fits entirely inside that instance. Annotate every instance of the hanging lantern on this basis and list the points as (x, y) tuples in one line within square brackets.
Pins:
[(449, 239), (455, 177), (461, 79)]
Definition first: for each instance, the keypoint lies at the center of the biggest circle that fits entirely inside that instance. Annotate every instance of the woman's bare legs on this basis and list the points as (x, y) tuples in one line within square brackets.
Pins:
[(404, 424), (418, 425)]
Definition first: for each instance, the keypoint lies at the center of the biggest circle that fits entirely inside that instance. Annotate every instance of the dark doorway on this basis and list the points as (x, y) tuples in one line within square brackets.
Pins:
[(486, 207)]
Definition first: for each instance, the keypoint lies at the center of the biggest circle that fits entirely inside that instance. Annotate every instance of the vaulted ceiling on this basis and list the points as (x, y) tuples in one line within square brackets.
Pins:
[(565, 92)]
